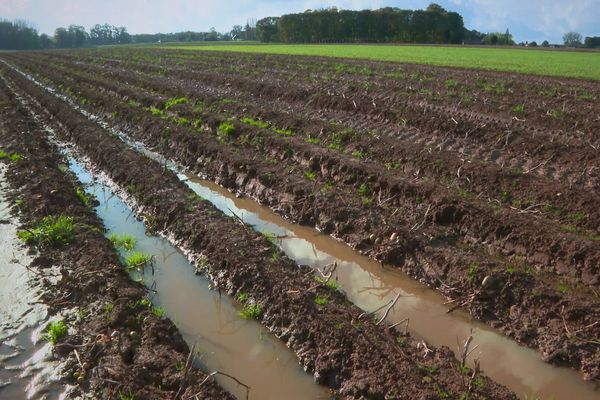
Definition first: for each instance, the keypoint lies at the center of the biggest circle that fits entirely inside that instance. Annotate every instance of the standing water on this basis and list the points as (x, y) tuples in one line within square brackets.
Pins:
[(224, 341), (369, 285)]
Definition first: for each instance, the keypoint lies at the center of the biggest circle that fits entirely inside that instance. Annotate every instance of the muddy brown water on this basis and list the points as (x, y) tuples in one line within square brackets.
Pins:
[(224, 341), (370, 285)]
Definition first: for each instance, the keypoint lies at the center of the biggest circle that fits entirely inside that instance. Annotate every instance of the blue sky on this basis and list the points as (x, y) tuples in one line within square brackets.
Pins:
[(527, 19)]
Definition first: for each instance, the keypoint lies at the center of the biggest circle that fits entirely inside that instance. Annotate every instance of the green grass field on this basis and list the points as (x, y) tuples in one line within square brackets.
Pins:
[(575, 64)]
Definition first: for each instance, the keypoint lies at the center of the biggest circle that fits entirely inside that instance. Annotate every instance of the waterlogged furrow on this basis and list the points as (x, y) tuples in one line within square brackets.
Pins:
[(325, 331), (525, 334)]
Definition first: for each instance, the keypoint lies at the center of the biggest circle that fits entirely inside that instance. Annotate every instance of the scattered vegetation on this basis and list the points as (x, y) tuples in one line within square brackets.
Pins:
[(255, 122), (51, 231), (174, 101), (321, 300), (249, 310)]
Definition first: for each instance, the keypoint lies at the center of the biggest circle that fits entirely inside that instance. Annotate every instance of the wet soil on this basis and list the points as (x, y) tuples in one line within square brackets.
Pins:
[(450, 216), (132, 351), (342, 349)]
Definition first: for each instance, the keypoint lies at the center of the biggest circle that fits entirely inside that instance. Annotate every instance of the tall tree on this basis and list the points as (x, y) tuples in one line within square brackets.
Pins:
[(572, 39)]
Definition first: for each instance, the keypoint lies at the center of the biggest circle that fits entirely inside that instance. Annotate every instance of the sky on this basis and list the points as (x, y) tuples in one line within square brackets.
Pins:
[(527, 20)]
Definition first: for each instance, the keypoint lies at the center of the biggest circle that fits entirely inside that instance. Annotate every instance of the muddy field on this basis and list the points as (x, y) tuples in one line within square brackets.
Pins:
[(481, 185)]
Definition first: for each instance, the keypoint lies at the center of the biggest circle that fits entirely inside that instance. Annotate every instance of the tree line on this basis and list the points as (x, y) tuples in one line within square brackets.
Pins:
[(389, 24)]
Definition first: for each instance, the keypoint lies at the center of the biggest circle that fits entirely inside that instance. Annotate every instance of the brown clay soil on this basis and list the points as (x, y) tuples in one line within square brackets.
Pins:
[(437, 171), (130, 350), (341, 348)]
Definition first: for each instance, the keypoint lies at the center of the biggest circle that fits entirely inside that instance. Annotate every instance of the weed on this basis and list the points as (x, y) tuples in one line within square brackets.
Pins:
[(334, 146), (251, 311), (55, 331), (556, 114), (114, 114), (390, 165), (426, 369), (255, 122), (108, 307), (225, 129), (365, 201), (19, 202), (364, 190), (321, 300), (327, 186), (84, 198), (586, 96), (450, 83), (504, 196), (133, 104), (284, 132), (158, 312), (569, 228), (519, 108), (359, 154), (310, 175), (510, 269), (138, 260), (473, 269), (552, 209), (438, 165), (562, 287), (157, 112), (242, 297), (50, 231), (197, 124), (313, 140), (173, 101), (124, 241), (126, 396)]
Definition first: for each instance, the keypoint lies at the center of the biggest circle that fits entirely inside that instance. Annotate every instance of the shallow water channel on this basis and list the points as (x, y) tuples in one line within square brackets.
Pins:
[(224, 341), (370, 285)]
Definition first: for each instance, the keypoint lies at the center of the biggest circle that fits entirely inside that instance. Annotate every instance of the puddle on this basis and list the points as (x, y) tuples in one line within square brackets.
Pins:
[(27, 366), (224, 341), (369, 285)]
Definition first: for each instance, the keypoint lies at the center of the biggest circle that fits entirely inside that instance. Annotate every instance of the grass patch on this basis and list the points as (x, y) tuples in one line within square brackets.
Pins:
[(85, 199), (51, 231), (576, 64), (321, 300), (173, 101), (55, 331), (251, 311), (225, 129), (310, 175), (138, 260), (124, 241), (255, 122), (284, 132)]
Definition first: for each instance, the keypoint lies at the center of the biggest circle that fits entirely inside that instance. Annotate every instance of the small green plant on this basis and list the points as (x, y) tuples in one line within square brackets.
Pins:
[(124, 241), (364, 190), (50, 231), (519, 108), (255, 122), (310, 175), (108, 307), (138, 260), (504, 196), (114, 114), (473, 269), (511, 269), (242, 297), (562, 287), (159, 312), (390, 165), (126, 396), (55, 331), (179, 366), (450, 83), (284, 132), (83, 197), (157, 112), (313, 140), (321, 300), (251, 311), (359, 154), (139, 303), (174, 101), (556, 114), (225, 129)]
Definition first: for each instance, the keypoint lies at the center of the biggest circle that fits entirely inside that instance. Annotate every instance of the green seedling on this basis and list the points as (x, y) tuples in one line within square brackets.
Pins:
[(359, 154), (364, 190), (321, 300), (255, 122), (174, 101), (55, 331), (138, 260), (124, 241), (51, 231), (284, 132), (473, 269), (519, 108), (158, 312), (251, 311), (313, 140), (225, 129), (310, 175), (84, 198)]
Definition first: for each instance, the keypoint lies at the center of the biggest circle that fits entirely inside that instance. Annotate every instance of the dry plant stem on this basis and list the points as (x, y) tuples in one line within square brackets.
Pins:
[(227, 375), (387, 311), (188, 366)]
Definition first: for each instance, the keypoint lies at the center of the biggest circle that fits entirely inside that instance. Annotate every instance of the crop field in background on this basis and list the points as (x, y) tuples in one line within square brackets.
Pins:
[(573, 64)]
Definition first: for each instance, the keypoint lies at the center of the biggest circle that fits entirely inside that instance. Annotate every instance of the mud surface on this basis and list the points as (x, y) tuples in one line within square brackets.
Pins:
[(344, 350), (457, 178), (129, 351)]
